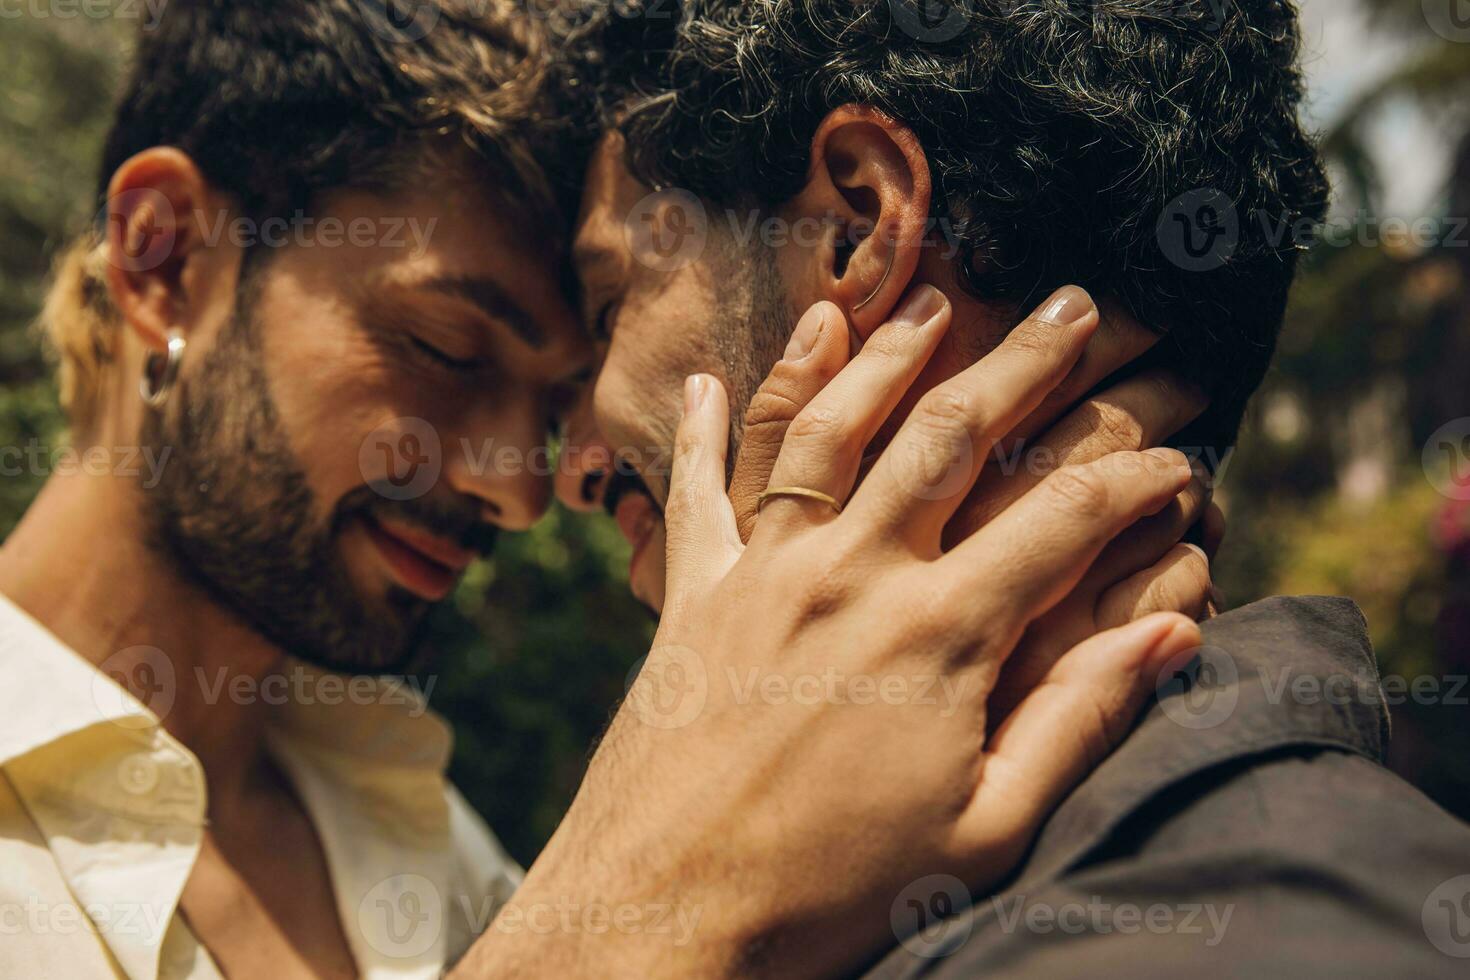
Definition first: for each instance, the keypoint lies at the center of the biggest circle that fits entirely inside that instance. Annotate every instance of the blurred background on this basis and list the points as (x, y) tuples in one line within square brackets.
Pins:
[(1352, 476)]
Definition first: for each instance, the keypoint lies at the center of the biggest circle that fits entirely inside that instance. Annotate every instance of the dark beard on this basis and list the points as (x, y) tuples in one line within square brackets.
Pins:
[(753, 324), (234, 510)]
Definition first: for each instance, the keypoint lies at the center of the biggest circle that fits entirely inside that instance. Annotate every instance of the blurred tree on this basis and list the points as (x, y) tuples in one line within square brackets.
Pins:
[(56, 89), (1328, 490)]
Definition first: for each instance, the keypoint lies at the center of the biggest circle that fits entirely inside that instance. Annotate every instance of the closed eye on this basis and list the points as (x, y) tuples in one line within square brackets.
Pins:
[(439, 357)]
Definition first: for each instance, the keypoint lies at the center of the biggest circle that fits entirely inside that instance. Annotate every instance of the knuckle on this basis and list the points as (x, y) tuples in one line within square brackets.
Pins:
[(1118, 426), (1038, 340), (1197, 567), (770, 410), (946, 414), (824, 590), (823, 426), (947, 403), (686, 446), (1183, 588)]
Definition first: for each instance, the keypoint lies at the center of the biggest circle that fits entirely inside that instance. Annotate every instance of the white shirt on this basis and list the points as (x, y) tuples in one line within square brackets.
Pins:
[(102, 814)]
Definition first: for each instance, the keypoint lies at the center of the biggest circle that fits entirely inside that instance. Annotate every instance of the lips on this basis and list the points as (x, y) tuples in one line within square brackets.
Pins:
[(425, 565)]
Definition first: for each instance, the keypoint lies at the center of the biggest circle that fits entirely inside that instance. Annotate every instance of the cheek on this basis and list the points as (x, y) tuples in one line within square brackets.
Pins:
[(332, 395)]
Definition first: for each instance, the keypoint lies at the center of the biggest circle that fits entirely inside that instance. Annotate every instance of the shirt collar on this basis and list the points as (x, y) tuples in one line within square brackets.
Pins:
[(1235, 701), (51, 692), (367, 755)]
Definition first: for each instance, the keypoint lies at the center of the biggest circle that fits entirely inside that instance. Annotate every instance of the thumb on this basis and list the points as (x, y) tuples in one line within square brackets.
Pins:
[(817, 351), (702, 543)]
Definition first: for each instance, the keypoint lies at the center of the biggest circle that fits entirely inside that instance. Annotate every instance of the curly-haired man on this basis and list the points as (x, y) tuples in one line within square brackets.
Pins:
[(764, 155)]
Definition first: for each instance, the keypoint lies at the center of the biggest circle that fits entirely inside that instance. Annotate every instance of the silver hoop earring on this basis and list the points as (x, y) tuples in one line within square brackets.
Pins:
[(158, 381)]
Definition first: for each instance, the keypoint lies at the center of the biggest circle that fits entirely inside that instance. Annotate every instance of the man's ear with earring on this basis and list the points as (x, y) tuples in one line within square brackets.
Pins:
[(161, 371)]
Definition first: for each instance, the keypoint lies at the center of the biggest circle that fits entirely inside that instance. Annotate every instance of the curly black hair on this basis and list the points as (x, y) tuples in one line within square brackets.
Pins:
[(1069, 141)]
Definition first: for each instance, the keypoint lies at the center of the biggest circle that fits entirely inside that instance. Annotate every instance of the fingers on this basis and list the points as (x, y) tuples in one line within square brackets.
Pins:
[(932, 462), (818, 350), (1150, 539), (1079, 713), (1179, 582), (1139, 413), (1031, 556), (1120, 340), (703, 541), (824, 443)]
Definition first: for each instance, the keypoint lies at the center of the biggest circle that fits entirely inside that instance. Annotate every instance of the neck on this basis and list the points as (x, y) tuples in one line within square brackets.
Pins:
[(80, 563)]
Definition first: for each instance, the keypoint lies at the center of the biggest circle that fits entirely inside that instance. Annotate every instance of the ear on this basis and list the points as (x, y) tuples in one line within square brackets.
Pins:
[(160, 270), (869, 184)]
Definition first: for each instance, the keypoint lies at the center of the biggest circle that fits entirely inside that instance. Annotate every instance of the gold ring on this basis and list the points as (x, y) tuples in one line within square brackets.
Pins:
[(797, 492)]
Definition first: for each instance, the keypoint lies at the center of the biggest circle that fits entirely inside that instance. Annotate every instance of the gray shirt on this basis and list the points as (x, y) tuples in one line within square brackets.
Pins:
[(1246, 828)]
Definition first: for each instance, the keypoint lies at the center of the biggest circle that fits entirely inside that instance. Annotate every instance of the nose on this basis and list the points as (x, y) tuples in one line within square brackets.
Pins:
[(586, 459), (502, 458)]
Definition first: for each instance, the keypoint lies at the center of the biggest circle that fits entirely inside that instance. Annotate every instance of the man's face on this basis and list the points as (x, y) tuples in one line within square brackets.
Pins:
[(373, 412), (717, 307)]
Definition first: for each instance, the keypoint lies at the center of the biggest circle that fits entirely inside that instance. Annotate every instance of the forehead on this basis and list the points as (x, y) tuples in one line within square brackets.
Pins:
[(609, 192), (448, 229)]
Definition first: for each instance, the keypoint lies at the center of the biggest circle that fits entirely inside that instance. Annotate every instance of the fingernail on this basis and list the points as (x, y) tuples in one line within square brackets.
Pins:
[(923, 305), (1179, 645), (695, 388), (808, 329), (1197, 550), (1173, 457), (1066, 306)]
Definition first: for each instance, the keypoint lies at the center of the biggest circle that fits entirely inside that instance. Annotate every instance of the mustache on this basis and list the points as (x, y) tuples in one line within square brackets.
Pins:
[(448, 515), (625, 480)]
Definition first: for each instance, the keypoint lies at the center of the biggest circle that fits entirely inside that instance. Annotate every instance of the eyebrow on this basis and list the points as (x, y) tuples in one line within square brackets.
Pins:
[(491, 299)]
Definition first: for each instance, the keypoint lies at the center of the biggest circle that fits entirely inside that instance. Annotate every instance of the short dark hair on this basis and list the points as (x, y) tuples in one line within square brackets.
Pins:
[(277, 100), (1059, 133)]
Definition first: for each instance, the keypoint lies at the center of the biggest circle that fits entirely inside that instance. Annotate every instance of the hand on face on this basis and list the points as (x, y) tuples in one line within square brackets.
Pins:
[(1149, 568), (705, 764)]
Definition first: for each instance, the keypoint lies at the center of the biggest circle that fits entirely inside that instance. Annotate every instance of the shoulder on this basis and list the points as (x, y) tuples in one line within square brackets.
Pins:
[(1247, 825)]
